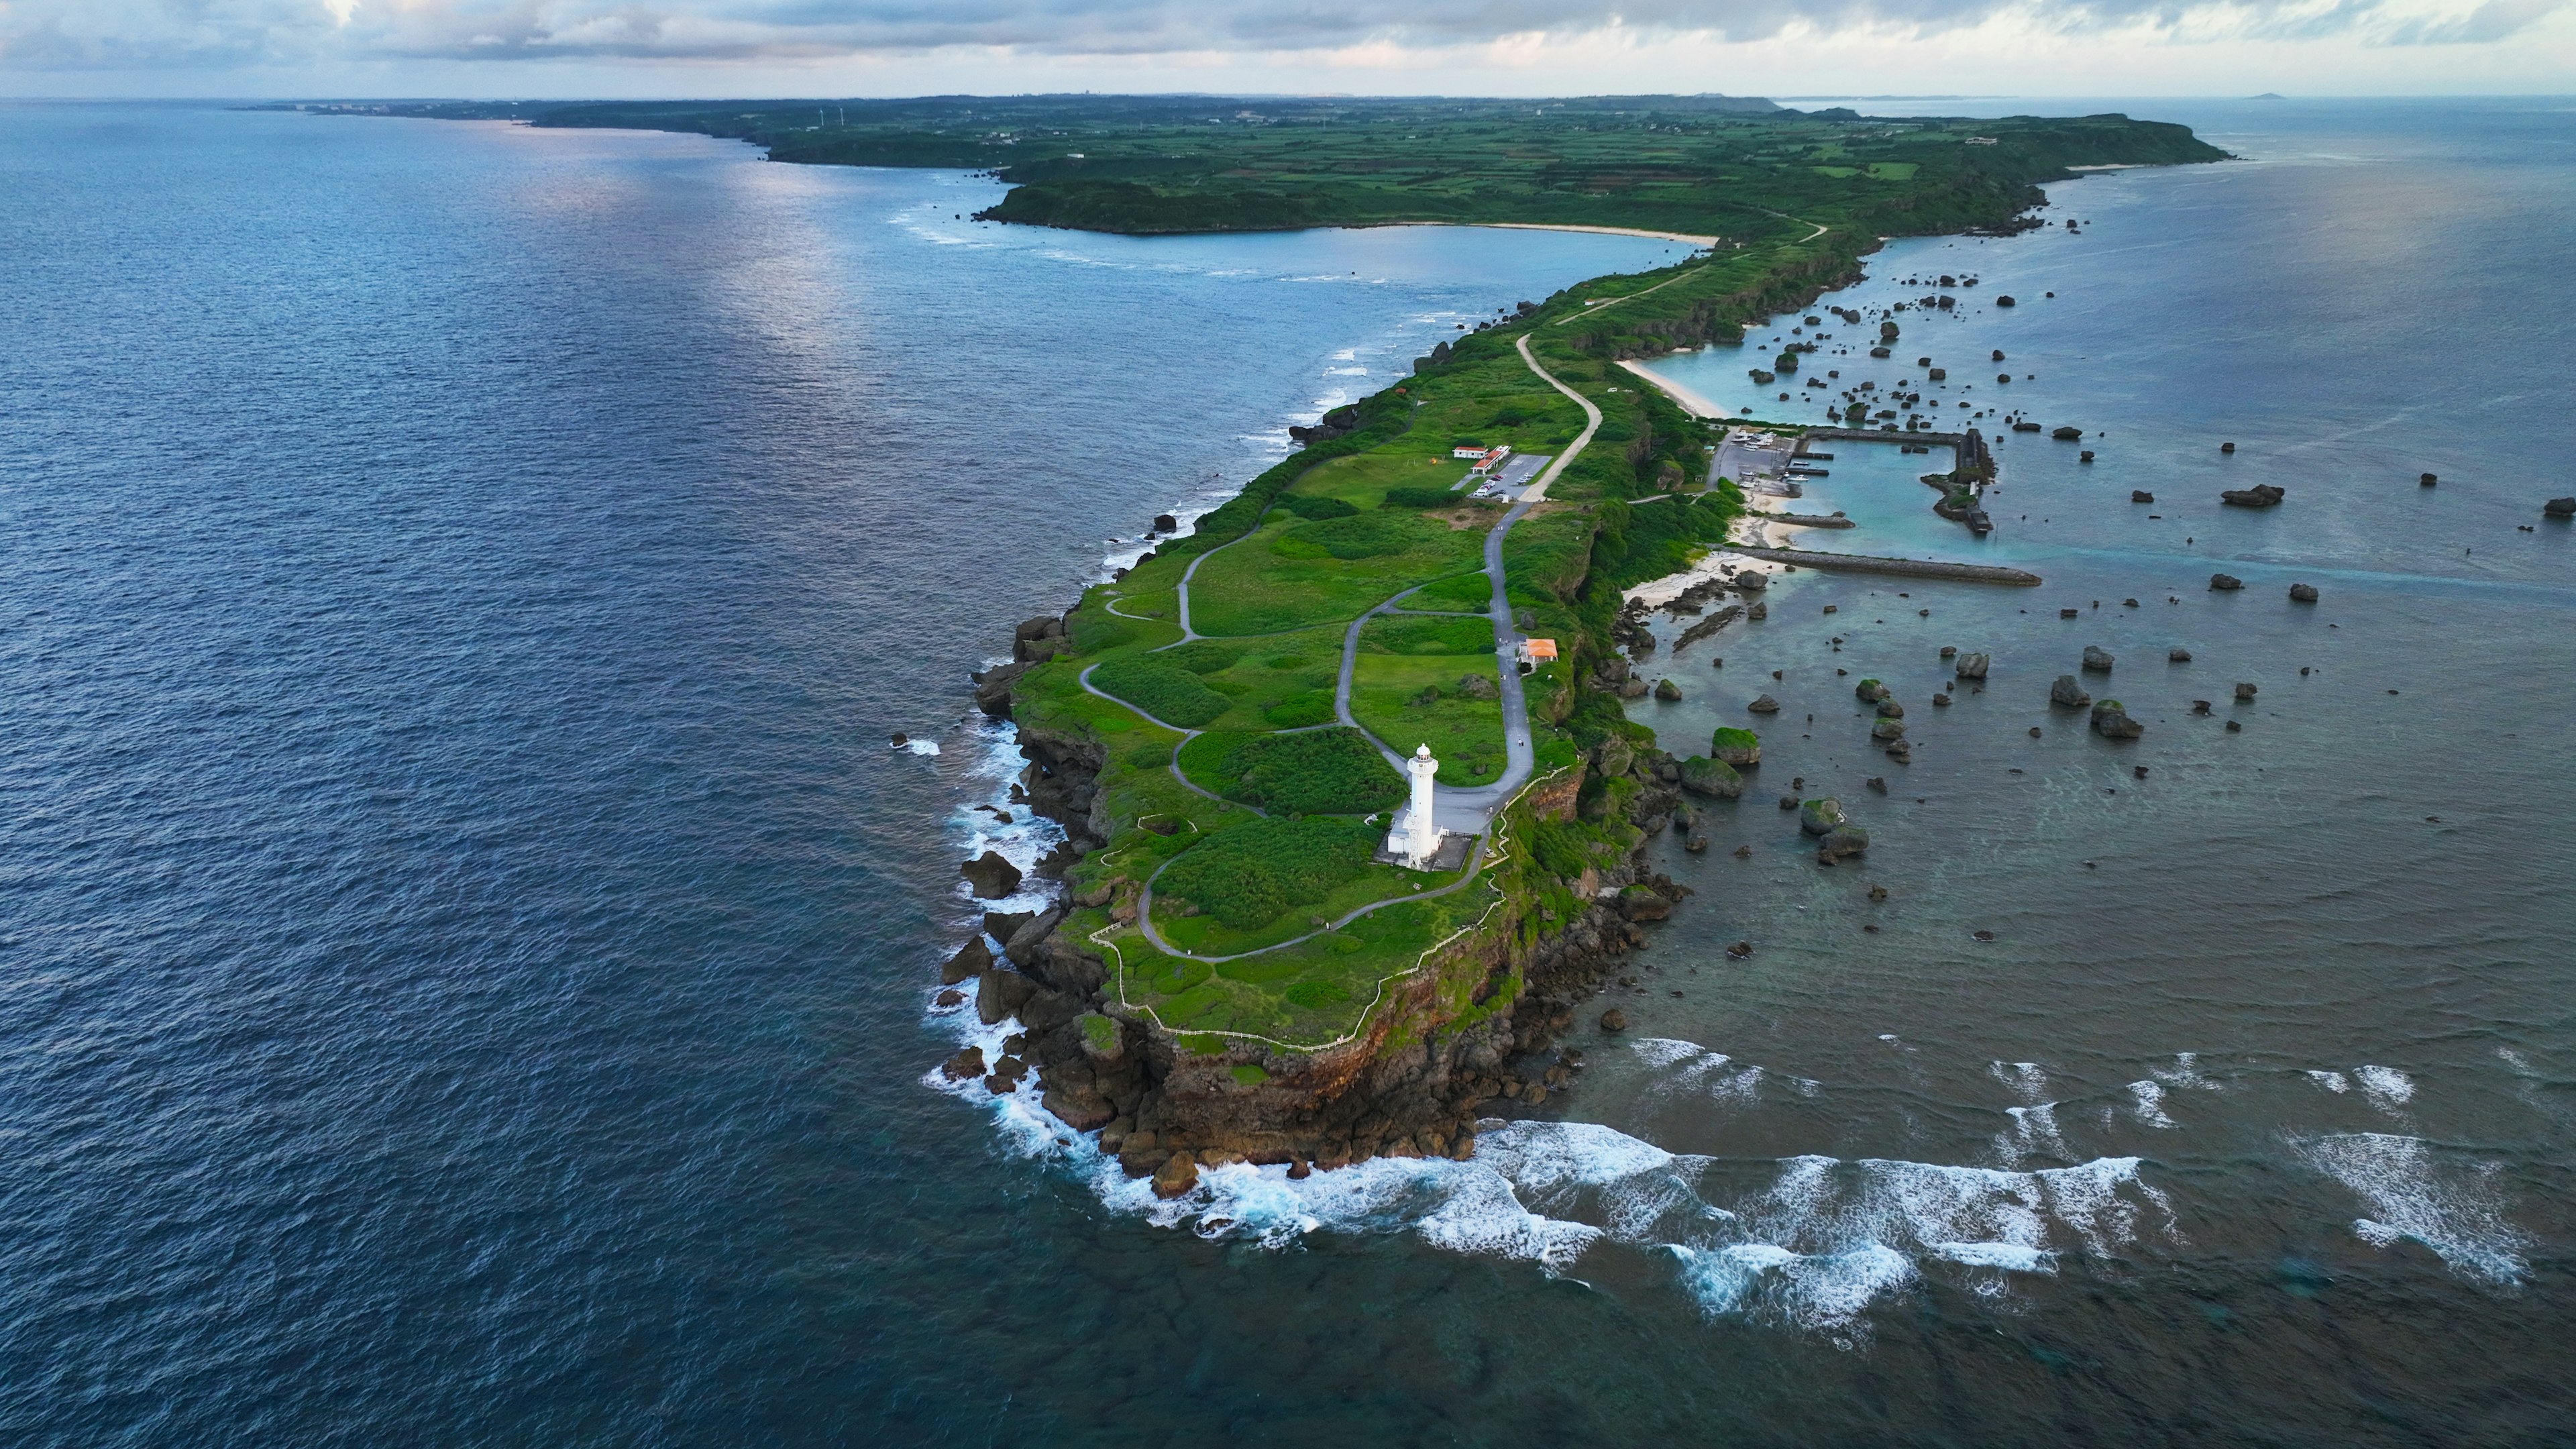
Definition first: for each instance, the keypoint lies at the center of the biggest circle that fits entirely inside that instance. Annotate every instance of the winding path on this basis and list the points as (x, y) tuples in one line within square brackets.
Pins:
[(1467, 809)]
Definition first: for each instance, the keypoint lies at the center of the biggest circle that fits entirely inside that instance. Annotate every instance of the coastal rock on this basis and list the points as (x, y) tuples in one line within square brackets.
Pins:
[(965, 1066), (1716, 778), (2559, 508), (2140, 495), (972, 960), (1972, 666), (1614, 1020), (2068, 693), (1079, 1106), (1820, 817), (1888, 708), (1877, 784), (1694, 840), (1942, 700), (1752, 581), (1633, 689), (999, 993), (1640, 903), (2066, 435), (1740, 748), (992, 877), (1178, 1174), (2177, 656), (1758, 611), (1166, 523), (2261, 495), (1869, 691), (1003, 925), (2112, 722), (993, 690), (2244, 693), (1887, 729), (2303, 593), (2200, 706), (1843, 842), (2097, 658), (1667, 691), (1764, 704), (2225, 583), (2428, 480), (1102, 1040)]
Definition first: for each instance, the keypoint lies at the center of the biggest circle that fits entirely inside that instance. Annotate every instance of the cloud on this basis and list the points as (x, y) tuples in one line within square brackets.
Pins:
[(74, 34)]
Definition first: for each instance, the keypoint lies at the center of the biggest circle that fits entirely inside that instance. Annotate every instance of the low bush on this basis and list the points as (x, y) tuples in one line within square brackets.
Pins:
[(1201, 656), (1298, 711), (1165, 691), (1409, 496), (1317, 772), (1363, 535), (1315, 506), (1249, 875), (1399, 634)]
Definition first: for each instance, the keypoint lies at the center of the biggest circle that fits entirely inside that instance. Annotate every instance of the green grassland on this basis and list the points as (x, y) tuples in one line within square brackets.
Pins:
[(1417, 699), (1351, 521)]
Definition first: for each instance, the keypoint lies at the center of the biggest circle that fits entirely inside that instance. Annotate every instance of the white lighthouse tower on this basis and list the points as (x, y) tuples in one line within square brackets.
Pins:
[(1416, 838)]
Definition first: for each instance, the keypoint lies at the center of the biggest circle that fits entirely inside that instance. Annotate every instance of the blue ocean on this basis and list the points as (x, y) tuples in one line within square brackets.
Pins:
[(468, 945)]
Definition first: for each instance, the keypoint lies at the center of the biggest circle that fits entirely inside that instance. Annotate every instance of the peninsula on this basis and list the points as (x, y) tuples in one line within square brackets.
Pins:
[(1249, 958)]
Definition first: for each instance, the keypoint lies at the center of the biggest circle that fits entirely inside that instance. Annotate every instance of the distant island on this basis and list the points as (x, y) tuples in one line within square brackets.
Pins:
[(1255, 953)]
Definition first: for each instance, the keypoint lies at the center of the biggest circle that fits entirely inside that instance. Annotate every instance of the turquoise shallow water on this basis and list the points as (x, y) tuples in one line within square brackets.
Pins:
[(468, 946)]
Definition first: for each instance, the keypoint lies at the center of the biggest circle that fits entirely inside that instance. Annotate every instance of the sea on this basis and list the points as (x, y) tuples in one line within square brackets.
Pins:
[(470, 938)]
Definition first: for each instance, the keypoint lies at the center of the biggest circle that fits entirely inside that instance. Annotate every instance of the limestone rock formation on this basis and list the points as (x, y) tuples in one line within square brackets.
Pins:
[(2068, 693)]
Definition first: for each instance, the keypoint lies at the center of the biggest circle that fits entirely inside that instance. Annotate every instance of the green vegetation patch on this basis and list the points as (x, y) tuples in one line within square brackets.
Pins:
[(1252, 589), (1422, 498), (1471, 591), (1314, 772), (1250, 874), (1355, 536), (1165, 691), (1447, 701), (1414, 634), (1302, 711), (1316, 507)]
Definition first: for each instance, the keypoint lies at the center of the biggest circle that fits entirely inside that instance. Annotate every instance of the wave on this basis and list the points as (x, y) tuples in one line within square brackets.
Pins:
[(2387, 1088), (2457, 1211), (1811, 1245), (1696, 1072)]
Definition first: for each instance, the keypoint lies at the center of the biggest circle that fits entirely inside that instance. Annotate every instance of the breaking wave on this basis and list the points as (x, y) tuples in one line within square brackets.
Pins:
[(2455, 1210)]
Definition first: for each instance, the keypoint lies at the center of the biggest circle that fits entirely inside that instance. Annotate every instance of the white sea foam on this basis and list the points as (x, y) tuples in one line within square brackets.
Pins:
[(1694, 1071), (2387, 1088), (922, 747), (2147, 1099), (2025, 1078), (2456, 1210), (2184, 1074), (2033, 1131), (2335, 1082)]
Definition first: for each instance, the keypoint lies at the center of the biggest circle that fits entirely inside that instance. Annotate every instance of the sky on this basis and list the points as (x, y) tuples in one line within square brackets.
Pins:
[(513, 49)]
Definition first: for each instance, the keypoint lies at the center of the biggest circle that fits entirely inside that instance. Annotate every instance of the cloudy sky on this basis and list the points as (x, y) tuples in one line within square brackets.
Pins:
[(528, 48)]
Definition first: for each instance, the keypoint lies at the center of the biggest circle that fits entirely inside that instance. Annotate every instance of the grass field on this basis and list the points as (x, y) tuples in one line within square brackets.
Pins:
[(1393, 697), (1259, 587)]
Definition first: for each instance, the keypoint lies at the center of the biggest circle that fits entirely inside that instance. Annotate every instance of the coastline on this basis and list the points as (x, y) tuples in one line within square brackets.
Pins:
[(1679, 236), (1472, 1028)]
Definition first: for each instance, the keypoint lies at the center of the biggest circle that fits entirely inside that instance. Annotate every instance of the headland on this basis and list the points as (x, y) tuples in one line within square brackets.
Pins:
[(1239, 965)]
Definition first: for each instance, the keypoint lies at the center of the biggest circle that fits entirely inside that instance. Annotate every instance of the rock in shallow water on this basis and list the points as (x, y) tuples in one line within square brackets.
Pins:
[(2097, 658), (2068, 693), (2112, 722), (1973, 666), (1764, 705), (2225, 582), (1820, 817), (2303, 593), (991, 876)]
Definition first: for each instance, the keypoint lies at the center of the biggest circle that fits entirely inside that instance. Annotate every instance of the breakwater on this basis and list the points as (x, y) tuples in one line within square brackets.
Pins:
[(1908, 568)]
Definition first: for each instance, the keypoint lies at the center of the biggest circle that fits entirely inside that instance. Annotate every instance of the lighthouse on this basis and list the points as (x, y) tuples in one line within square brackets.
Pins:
[(1416, 838)]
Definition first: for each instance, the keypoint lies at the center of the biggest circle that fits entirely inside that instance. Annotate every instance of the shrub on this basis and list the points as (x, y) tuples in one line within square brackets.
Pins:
[(1416, 496), (1247, 876), (1165, 691), (1558, 848), (1316, 506), (1363, 535), (1298, 711), (1318, 772), (1201, 656), (1316, 995), (1474, 591)]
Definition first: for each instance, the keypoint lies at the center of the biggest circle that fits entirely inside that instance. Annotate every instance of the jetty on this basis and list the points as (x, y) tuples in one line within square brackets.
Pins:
[(1908, 568)]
